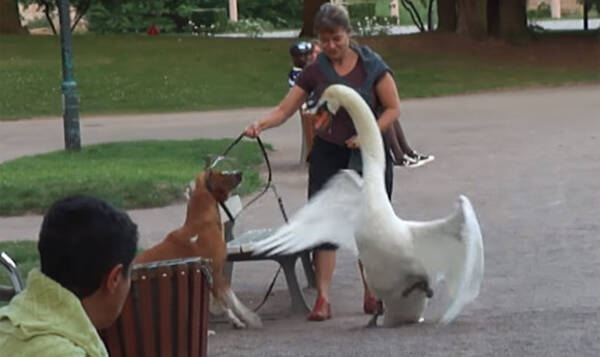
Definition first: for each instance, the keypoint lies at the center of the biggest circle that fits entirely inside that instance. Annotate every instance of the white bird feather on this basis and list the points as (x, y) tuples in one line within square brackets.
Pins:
[(354, 213)]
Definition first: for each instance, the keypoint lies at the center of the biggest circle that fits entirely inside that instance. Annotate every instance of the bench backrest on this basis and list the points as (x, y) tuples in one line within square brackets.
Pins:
[(166, 312)]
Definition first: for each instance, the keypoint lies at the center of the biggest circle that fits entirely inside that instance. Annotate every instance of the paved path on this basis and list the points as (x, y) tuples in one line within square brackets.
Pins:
[(553, 25), (529, 161)]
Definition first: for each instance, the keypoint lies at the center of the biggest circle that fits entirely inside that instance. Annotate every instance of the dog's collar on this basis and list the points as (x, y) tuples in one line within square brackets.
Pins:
[(221, 203)]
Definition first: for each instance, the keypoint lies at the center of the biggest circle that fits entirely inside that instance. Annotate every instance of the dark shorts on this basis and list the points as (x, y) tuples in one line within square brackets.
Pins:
[(326, 159)]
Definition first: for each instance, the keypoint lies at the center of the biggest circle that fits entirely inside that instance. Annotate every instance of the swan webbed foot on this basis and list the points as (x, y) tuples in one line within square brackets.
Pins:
[(422, 285), (373, 321)]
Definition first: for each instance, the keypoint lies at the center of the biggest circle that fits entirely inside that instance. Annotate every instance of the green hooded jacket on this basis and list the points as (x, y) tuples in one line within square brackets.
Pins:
[(47, 320)]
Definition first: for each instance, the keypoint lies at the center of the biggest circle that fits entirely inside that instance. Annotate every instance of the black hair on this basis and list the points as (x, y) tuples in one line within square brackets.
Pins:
[(82, 238)]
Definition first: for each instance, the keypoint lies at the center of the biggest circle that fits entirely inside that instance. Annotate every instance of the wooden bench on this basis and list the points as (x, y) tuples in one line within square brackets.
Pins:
[(165, 313), (240, 249)]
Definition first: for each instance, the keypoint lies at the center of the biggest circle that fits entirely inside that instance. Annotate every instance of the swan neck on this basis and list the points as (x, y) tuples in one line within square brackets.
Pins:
[(371, 144)]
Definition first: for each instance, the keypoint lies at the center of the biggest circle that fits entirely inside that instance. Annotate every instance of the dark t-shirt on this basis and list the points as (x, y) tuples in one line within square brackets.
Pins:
[(313, 80)]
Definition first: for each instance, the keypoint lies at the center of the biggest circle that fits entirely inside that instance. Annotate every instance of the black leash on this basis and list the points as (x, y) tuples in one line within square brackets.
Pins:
[(285, 217), (265, 189)]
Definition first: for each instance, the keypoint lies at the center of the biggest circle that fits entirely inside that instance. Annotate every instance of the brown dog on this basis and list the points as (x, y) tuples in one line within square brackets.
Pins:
[(202, 236)]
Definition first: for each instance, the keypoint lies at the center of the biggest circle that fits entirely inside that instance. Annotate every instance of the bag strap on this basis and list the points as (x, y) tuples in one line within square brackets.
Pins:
[(373, 65)]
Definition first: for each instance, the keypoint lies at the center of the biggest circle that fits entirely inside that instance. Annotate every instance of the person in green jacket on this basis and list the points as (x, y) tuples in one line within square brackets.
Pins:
[(86, 248)]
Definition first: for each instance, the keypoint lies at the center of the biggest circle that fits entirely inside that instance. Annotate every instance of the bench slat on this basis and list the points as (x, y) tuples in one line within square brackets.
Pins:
[(165, 301)]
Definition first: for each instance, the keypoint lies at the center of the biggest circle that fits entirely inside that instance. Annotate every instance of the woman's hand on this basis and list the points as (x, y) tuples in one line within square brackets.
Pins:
[(353, 142), (253, 130)]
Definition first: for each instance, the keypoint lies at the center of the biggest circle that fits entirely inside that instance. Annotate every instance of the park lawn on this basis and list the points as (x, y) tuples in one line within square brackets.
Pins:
[(25, 254), (128, 174), (141, 74)]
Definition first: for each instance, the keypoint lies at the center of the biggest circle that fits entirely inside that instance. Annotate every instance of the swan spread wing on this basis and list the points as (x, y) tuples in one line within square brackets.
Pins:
[(328, 217), (452, 249)]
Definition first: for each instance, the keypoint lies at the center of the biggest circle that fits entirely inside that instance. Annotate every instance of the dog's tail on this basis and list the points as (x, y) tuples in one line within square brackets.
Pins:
[(240, 310)]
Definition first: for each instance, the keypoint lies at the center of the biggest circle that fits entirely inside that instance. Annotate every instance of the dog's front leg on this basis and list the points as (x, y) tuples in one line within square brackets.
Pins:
[(218, 308), (237, 323)]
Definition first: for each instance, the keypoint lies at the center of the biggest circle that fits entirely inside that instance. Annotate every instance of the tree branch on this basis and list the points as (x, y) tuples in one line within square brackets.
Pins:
[(412, 11), (81, 13), (47, 13)]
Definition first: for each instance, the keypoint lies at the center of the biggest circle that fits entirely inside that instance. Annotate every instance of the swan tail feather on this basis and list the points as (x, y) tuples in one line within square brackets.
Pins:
[(451, 249)]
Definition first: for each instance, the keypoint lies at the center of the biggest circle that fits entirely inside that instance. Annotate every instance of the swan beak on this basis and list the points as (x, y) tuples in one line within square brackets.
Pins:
[(322, 119)]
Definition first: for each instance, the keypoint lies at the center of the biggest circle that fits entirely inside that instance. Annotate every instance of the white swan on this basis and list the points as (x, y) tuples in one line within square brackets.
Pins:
[(400, 258)]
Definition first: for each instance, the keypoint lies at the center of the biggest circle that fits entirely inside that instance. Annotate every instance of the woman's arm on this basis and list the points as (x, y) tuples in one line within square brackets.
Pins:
[(387, 93), (288, 106), (388, 96)]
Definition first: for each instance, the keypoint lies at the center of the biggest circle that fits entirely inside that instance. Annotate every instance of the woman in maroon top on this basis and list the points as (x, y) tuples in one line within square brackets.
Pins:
[(341, 61)]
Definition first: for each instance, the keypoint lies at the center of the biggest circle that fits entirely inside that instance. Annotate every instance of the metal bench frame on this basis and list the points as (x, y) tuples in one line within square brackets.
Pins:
[(7, 292), (237, 253)]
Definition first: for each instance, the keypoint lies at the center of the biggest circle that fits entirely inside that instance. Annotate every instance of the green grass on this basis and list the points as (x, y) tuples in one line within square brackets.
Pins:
[(121, 74), (127, 174), (25, 255), (118, 74), (469, 75)]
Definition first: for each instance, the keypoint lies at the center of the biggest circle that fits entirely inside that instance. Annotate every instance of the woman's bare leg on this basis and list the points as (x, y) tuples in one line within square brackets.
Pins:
[(324, 261), (401, 138), (392, 139)]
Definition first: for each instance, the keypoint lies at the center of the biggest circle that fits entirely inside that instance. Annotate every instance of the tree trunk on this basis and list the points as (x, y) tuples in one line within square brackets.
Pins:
[(513, 19), (493, 16), (308, 15), (446, 10), (472, 18), (10, 22)]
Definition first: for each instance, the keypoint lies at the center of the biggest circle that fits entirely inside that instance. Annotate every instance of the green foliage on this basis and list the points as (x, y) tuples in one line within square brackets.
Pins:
[(374, 26), (80, 6), (39, 22), (128, 174), (280, 13), (543, 11), (135, 16), (382, 8), (129, 16), (360, 11), (251, 27), (592, 4), (207, 22), (209, 16)]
